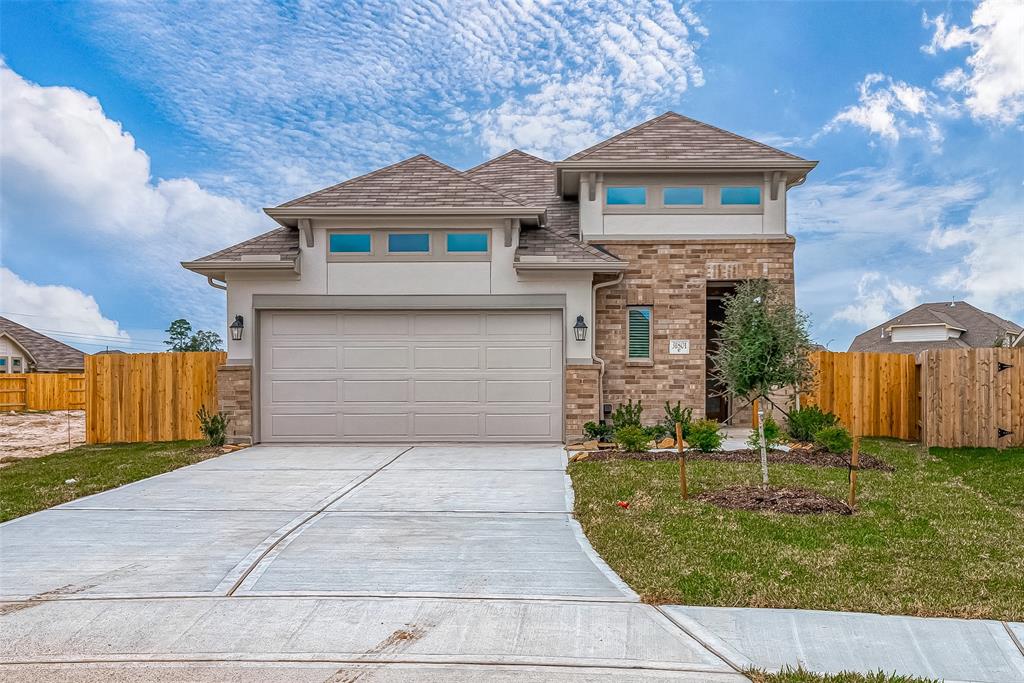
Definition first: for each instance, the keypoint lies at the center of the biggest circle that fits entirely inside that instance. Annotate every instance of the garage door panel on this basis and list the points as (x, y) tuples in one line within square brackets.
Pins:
[(411, 375)]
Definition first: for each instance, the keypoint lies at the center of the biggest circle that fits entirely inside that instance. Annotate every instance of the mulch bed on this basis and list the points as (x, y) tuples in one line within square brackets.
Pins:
[(814, 457), (791, 501)]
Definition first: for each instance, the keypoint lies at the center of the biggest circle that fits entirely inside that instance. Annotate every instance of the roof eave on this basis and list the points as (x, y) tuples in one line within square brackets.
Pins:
[(288, 216), (217, 269), (592, 266), (650, 165)]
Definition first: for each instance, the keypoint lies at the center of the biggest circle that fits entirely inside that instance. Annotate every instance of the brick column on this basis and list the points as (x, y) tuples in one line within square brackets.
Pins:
[(580, 399), (234, 399)]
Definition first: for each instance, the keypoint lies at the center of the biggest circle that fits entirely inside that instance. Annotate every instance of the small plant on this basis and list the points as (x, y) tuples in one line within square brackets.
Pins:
[(213, 425), (834, 439), (677, 413), (773, 435), (704, 436), (632, 439), (804, 423), (597, 431), (659, 431), (627, 415)]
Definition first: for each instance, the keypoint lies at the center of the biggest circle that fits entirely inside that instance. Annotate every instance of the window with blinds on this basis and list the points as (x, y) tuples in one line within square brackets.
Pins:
[(639, 333)]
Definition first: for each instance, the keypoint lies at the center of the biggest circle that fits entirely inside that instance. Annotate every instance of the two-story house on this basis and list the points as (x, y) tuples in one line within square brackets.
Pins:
[(510, 302)]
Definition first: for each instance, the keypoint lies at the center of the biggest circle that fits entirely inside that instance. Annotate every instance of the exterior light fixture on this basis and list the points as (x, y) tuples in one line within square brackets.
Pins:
[(236, 328), (580, 329)]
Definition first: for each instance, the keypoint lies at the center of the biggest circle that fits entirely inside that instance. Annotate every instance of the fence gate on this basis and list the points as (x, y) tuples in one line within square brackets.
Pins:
[(973, 397)]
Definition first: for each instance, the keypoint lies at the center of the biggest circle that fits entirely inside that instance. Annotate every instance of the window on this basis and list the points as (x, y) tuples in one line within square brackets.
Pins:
[(466, 242), (741, 195), (684, 196), (626, 195), (350, 243), (639, 333), (16, 365), (408, 243)]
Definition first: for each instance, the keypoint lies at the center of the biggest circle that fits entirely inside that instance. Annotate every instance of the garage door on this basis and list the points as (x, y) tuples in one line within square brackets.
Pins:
[(411, 376)]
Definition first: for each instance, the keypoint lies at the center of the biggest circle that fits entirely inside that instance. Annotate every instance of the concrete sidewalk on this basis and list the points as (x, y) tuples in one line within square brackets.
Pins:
[(966, 650)]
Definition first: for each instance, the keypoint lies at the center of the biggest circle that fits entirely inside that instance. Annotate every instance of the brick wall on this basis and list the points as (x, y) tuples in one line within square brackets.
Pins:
[(234, 399), (580, 399), (670, 277)]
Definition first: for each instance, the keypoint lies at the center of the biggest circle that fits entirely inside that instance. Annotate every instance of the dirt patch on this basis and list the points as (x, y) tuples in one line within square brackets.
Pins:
[(792, 501), (815, 458), (30, 435)]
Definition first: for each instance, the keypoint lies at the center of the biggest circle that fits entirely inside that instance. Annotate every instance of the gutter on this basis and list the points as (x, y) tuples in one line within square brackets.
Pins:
[(597, 267), (598, 359)]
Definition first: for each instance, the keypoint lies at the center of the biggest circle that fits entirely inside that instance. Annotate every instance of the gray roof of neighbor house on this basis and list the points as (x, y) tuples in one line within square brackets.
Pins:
[(678, 138), (416, 183), (47, 354), (981, 329)]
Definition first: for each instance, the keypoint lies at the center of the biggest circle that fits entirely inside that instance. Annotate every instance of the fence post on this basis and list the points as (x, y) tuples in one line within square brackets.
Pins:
[(854, 465)]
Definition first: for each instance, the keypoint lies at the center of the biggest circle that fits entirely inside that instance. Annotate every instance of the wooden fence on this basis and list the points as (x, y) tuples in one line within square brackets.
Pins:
[(148, 396), (973, 397), (43, 391)]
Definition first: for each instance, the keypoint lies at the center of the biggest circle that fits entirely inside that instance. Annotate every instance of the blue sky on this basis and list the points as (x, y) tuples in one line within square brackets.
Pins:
[(138, 135)]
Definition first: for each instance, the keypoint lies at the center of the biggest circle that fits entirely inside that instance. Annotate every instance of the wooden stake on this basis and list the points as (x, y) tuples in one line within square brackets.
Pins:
[(854, 463), (753, 418), (682, 460)]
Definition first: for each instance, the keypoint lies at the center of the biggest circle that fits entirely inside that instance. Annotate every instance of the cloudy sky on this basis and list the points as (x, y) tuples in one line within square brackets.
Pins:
[(133, 136)]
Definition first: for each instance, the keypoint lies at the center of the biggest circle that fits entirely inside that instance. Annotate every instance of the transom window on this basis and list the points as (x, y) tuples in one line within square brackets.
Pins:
[(626, 195), (408, 243), (466, 242), (750, 195), (683, 196), (351, 243), (639, 333)]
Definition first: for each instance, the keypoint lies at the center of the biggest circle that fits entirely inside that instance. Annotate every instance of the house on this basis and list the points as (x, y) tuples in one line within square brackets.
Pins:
[(942, 325), (25, 350), (513, 301)]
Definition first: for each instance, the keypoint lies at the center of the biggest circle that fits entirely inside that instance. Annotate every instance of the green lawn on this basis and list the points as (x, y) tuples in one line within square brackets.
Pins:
[(801, 676), (38, 483), (939, 536)]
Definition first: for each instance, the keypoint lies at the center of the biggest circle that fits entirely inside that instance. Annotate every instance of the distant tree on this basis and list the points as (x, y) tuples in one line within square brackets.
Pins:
[(763, 347), (181, 338)]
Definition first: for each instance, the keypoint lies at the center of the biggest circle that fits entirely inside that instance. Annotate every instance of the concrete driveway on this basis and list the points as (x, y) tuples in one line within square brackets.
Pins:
[(332, 563)]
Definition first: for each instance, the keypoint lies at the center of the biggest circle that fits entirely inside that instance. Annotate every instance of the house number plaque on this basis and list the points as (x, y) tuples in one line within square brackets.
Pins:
[(679, 346)]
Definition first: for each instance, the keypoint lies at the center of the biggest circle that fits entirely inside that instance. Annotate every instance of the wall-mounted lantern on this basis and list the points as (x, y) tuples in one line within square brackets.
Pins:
[(580, 329), (236, 328)]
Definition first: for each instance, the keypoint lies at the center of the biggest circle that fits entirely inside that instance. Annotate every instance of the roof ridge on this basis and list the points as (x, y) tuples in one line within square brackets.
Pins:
[(498, 158), (618, 136), (364, 176), (736, 135), (462, 174)]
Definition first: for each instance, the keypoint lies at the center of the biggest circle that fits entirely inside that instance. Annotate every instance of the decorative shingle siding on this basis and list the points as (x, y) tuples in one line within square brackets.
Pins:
[(671, 278), (580, 399), (234, 399)]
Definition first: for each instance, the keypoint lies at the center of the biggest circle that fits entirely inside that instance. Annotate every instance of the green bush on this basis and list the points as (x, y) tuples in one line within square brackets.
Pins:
[(804, 423), (773, 435), (834, 439), (676, 413), (597, 430), (704, 436), (213, 425), (632, 439), (627, 415), (659, 431)]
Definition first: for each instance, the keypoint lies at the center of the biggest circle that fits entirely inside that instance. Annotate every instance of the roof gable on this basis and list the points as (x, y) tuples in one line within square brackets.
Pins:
[(416, 183), (524, 176), (672, 137), (981, 328), (47, 353)]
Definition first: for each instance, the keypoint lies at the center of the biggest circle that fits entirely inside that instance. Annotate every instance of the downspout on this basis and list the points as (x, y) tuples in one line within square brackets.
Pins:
[(596, 358), (224, 285)]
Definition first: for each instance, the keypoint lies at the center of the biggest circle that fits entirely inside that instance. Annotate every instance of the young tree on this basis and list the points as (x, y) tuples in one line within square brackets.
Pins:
[(180, 338), (763, 347)]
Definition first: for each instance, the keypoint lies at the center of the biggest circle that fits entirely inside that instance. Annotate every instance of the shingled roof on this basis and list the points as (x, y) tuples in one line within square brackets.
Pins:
[(47, 354), (524, 176), (416, 183), (981, 329), (672, 137), (283, 242)]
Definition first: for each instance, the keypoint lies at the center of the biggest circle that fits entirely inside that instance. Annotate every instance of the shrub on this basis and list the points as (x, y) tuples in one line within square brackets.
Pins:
[(834, 439), (772, 435), (659, 431), (632, 439), (704, 436), (804, 423), (627, 415), (676, 413), (213, 425), (597, 430)]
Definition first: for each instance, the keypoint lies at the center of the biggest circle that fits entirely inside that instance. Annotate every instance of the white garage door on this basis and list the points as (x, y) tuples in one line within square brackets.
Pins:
[(411, 376)]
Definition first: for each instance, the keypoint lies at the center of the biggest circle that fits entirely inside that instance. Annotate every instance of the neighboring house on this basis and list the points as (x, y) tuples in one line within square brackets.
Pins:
[(25, 350), (943, 325), (510, 302)]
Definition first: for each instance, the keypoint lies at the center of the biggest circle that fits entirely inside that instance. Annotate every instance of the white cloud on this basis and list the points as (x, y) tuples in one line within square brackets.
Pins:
[(892, 109), (993, 79), (55, 308), (70, 168), (879, 298)]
